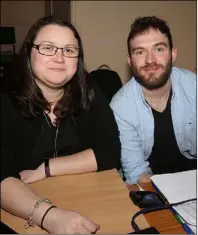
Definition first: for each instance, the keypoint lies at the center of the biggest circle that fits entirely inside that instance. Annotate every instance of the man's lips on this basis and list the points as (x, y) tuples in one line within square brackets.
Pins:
[(152, 68)]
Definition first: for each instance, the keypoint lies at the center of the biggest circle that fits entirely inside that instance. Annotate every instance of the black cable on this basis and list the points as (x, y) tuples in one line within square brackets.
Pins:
[(156, 208)]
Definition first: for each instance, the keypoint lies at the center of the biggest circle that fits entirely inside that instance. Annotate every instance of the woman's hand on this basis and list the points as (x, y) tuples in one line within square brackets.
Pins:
[(31, 176), (59, 221)]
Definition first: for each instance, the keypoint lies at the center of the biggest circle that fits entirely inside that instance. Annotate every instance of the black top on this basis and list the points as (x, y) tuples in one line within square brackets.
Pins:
[(166, 156), (25, 143)]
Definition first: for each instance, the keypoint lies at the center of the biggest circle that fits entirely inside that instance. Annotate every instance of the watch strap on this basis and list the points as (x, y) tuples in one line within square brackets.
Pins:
[(47, 170)]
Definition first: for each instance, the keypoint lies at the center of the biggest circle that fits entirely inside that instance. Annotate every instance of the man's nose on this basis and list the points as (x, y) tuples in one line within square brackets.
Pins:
[(59, 56), (150, 57)]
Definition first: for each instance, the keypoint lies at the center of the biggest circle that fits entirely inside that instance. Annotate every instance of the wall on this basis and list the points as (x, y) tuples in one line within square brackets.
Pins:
[(104, 28), (21, 15), (58, 8)]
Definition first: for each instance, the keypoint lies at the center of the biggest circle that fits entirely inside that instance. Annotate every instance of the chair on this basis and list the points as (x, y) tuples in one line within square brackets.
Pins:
[(108, 80), (7, 42)]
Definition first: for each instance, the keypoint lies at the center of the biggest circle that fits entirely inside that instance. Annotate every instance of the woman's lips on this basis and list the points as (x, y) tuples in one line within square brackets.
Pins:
[(57, 69)]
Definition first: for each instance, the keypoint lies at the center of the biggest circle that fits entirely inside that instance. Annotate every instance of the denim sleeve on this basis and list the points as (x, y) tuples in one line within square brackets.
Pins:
[(132, 156)]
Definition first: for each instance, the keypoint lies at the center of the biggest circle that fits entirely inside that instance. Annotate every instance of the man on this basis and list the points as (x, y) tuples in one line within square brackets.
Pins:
[(156, 110)]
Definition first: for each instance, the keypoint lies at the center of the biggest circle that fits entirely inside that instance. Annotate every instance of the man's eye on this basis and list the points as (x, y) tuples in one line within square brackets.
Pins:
[(159, 49), (138, 52)]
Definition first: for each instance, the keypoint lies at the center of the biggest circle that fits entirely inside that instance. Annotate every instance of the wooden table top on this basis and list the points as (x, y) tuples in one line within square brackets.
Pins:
[(101, 196), (163, 221)]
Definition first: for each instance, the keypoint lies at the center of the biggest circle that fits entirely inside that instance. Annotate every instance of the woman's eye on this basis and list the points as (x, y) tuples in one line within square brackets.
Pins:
[(48, 47), (70, 50)]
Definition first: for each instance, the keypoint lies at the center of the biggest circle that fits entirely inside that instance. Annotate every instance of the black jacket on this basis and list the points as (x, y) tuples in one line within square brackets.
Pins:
[(25, 146)]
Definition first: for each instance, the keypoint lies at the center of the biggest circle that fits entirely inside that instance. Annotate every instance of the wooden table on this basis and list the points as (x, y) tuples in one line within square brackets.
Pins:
[(101, 196), (163, 221)]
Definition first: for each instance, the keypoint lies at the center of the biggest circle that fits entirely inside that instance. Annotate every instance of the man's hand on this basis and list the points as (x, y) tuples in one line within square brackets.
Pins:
[(31, 176), (59, 221), (144, 178)]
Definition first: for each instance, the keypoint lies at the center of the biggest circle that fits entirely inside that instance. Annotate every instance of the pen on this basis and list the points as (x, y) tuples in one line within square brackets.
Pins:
[(184, 226), (178, 218), (187, 229)]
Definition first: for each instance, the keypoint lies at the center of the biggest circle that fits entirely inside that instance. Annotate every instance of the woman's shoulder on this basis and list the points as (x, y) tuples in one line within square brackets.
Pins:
[(7, 104), (6, 99)]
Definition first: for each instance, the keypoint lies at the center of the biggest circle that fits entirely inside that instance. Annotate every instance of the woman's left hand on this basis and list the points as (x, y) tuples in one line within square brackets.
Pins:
[(31, 176)]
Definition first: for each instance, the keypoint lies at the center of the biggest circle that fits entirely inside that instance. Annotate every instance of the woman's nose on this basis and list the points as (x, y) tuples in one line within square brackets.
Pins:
[(59, 57)]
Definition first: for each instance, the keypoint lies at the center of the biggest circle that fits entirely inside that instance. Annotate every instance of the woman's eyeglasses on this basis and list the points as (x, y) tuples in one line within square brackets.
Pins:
[(50, 50)]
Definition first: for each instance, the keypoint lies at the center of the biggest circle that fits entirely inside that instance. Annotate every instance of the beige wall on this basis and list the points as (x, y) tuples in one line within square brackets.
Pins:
[(21, 15), (104, 28)]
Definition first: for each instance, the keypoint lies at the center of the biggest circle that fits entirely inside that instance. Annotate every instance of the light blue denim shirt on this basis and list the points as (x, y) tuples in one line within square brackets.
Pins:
[(136, 123)]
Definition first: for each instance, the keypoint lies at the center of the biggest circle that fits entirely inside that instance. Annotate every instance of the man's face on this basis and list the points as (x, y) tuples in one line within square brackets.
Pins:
[(151, 59)]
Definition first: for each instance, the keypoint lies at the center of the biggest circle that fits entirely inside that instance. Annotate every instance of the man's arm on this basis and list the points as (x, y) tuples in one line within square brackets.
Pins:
[(132, 157)]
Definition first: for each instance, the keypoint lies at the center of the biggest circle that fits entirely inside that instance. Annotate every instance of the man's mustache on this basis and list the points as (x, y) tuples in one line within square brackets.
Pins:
[(152, 65)]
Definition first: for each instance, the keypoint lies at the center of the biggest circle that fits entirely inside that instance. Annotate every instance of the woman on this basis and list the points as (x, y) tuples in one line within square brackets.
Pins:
[(54, 122)]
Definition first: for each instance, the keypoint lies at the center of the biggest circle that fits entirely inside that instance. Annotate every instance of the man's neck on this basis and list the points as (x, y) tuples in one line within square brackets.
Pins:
[(159, 93), (158, 98)]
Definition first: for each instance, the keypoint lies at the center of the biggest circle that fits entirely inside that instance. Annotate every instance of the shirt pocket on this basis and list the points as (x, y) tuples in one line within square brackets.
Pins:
[(190, 135)]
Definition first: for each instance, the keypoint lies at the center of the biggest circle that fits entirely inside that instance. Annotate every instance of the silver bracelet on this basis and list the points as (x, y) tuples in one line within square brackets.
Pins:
[(30, 221)]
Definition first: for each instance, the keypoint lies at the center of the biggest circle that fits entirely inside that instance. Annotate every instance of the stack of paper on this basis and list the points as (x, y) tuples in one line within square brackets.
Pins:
[(187, 213), (179, 187)]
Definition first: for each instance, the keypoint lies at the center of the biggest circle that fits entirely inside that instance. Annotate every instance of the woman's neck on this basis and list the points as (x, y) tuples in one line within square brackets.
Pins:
[(51, 95)]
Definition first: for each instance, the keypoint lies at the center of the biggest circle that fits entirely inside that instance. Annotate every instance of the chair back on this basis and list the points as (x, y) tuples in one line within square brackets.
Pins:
[(108, 80)]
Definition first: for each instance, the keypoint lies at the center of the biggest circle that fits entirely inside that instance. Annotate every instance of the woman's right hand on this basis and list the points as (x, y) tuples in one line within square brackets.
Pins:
[(59, 221)]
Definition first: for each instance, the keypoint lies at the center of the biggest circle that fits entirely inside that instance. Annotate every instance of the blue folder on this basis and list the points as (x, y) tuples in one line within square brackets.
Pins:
[(177, 217)]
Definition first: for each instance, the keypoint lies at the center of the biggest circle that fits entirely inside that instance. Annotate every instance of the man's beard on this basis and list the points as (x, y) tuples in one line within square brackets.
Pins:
[(153, 81)]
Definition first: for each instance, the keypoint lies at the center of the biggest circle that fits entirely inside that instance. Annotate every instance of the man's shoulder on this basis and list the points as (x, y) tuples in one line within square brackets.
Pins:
[(184, 76), (125, 93)]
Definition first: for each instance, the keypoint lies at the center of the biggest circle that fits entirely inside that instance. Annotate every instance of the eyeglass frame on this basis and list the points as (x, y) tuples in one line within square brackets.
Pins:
[(36, 46)]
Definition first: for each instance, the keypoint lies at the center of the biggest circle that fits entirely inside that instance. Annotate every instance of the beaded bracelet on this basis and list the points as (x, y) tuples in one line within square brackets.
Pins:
[(30, 221)]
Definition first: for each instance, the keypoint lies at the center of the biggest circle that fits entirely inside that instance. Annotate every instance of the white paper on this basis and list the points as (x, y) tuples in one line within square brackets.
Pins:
[(187, 212), (177, 187)]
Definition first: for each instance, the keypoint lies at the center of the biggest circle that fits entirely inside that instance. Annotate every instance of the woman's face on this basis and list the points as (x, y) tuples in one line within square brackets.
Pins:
[(56, 70)]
